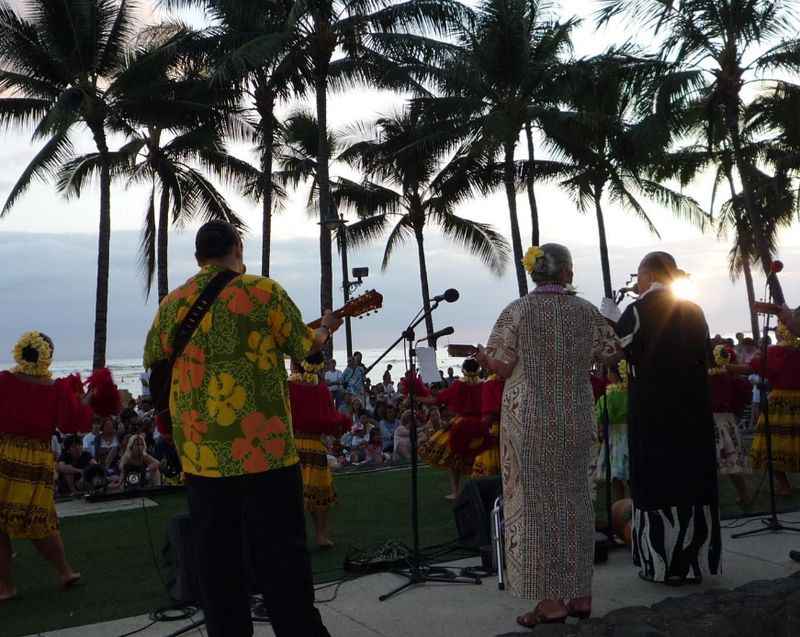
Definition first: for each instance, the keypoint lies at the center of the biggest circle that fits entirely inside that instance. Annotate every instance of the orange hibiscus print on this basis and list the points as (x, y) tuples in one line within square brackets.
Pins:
[(192, 368), (237, 300), (193, 428), (254, 448)]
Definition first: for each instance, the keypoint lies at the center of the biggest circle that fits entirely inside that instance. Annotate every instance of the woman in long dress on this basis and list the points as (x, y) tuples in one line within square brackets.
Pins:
[(676, 531), (32, 407), (545, 344)]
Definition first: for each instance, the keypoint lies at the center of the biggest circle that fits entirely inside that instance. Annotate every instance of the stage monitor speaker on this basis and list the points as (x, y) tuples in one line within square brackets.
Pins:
[(178, 555), (473, 509)]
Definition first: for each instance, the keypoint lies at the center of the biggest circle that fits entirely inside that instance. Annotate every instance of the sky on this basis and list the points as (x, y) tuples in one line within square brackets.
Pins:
[(48, 247)]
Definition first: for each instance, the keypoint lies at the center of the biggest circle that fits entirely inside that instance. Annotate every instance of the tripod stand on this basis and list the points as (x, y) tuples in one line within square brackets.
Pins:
[(771, 524), (418, 570)]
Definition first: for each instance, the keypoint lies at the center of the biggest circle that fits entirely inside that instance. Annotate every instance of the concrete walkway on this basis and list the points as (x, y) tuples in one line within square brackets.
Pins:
[(483, 611)]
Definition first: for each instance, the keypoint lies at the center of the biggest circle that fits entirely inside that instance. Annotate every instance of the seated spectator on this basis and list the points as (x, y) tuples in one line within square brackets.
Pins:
[(387, 426), (73, 462), (355, 443), (106, 448), (402, 439), (374, 449), (88, 439), (139, 469)]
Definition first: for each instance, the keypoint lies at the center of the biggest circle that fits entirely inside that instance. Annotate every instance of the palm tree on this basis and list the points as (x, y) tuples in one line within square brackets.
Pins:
[(500, 79), (719, 45), (168, 135), (342, 41), (409, 190), (255, 44), (603, 150), (57, 78)]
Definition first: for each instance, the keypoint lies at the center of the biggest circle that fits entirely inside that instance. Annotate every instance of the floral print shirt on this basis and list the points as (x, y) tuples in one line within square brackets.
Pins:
[(230, 402)]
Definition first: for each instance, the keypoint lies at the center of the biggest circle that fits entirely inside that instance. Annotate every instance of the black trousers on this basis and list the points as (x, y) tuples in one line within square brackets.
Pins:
[(249, 535)]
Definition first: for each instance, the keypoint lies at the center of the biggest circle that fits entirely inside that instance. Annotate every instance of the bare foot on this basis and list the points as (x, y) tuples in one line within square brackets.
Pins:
[(68, 581), (450, 496), (7, 593)]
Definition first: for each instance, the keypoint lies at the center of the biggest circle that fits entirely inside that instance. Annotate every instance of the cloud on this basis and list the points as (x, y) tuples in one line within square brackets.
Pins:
[(49, 283)]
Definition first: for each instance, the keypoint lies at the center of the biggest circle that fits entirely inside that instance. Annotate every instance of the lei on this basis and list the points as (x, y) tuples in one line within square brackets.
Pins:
[(786, 338), (44, 356), (471, 378), (722, 358)]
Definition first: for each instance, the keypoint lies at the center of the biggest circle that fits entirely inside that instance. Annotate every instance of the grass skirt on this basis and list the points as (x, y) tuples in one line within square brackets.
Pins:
[(487, 463), (784, 424), (731, 455), (27, 508), (318, 492), (436, 450)]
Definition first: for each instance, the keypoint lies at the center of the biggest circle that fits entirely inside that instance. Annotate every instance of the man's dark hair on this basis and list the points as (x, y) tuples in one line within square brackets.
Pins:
[(70, 441), (471, 366), (215, 240), (662, 265)]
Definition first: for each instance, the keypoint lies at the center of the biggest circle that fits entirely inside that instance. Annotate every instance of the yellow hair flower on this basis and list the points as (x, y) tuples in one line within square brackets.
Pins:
[(533, 254), (44, 355), (785, 337)]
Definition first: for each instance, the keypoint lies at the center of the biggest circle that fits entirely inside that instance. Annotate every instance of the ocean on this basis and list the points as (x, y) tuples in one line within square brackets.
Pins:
[(126, 371)]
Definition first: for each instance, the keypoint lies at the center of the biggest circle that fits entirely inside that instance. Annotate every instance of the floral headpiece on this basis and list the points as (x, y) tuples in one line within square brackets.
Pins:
[(723, 356), (533, 254), (785, 337), (33, 345), (312, 370)]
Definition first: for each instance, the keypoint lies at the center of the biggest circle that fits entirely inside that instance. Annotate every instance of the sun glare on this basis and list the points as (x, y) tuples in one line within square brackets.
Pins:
[(685, 289)]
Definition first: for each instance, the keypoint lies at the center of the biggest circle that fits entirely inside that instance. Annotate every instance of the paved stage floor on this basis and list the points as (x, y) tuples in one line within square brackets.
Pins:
[(483, 611)]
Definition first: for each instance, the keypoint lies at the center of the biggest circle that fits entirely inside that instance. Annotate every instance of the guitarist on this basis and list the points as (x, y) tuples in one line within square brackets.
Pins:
[(232, 427)]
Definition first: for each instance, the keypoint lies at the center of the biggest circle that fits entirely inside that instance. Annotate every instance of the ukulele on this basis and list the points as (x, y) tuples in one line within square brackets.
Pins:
[(368, 303)]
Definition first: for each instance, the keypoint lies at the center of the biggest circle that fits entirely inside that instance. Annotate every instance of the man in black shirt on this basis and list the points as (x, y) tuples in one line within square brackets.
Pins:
[(71, 465)]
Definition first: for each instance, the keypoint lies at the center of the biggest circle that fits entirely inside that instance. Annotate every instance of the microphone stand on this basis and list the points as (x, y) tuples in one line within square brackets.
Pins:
[(613, 541), (772, 524), (418, 571)]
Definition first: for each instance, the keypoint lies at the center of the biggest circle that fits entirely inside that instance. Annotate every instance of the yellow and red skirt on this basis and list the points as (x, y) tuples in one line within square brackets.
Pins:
[(27, 477), (784, 424), (436, 450), (318, 492), (487, 463)]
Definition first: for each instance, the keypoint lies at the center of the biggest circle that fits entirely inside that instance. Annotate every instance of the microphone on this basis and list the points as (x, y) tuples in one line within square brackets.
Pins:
[(447, 331), (450, 296)]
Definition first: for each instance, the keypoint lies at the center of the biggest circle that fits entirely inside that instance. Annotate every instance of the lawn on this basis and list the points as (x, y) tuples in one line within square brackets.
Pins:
[(113, 551)]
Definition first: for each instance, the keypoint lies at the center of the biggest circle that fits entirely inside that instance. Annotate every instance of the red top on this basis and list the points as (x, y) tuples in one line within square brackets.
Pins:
[(35, 411), (313, 411), (492, 398), (729, 393), (419, 387), (461, 398), (783, 367)]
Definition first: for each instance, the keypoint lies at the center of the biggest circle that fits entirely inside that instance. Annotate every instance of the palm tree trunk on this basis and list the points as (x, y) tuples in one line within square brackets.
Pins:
[(103, 252), (323, 183), (516, 240), (267, 126), (751, 298), (163, 245), (601, 231), (529, 182), (423, 281), (745, 173), (748, 274)]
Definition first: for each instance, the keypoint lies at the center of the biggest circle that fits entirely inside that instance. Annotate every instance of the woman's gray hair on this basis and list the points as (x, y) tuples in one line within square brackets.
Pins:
[(548, 268)]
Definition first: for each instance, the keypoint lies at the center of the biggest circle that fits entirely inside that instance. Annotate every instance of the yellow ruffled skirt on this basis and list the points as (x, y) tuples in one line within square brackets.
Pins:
[(487, 463), (27, 476), (784, 424), (318, 492), (436, 450)]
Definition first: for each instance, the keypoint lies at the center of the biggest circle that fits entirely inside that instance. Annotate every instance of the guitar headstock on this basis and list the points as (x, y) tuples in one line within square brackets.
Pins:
[(362, 305)]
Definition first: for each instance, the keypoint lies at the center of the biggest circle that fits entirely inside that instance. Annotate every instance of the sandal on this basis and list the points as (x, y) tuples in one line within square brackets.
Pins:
[(537, 617), (579, 613)]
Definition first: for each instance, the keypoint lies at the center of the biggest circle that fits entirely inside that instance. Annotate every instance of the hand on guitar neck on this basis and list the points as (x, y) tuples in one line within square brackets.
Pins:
[(331, 321)]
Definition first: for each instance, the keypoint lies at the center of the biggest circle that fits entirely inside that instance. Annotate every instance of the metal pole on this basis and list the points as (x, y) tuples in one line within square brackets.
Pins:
[(346, 286)]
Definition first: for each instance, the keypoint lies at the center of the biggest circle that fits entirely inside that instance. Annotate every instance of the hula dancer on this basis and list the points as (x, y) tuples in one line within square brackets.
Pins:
[(313, 415), (487, 463), (455, 448), (729, 395), (617, 398), (32, 406), (783, 373)]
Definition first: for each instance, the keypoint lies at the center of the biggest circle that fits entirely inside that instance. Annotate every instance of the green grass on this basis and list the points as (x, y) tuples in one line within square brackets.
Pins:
[(120, 580), (113, 553)]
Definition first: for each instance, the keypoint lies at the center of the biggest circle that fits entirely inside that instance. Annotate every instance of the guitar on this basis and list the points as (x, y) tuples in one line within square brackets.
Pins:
[(461, 351), (367, 303)]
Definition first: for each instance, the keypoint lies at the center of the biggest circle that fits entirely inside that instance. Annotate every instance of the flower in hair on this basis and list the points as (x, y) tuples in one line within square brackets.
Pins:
[(33, 343), (533, 254)]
